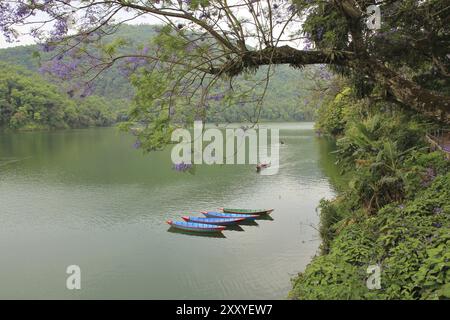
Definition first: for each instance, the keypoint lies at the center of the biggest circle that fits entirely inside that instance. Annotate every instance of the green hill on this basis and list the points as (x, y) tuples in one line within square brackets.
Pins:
[(29, 102), (284, 100)]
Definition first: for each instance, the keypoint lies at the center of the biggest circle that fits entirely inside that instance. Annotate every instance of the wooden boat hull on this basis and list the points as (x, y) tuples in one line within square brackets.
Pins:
[(247, 211), (216, 221), (213, 214), (195, 227)]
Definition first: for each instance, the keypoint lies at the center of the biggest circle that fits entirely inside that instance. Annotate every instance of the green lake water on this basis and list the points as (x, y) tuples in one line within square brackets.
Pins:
[(86, 197)]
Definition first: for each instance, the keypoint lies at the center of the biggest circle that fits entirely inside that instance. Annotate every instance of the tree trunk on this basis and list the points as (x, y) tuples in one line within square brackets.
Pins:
[(412, 95), (406, 92)]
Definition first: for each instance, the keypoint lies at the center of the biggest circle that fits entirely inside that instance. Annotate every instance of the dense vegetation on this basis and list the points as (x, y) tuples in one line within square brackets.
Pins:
[(394, 213), (286, 98), (29, 102)]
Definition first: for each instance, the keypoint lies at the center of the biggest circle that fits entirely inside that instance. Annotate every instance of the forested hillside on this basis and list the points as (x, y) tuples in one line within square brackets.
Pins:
[(29, 102), (285, 100)]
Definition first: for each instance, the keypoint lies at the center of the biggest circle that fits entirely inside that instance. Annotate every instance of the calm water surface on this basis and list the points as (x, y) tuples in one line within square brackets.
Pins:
[(86, 197)]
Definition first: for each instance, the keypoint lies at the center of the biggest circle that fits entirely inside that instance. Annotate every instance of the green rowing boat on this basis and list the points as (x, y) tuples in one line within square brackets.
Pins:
[(247, 211)]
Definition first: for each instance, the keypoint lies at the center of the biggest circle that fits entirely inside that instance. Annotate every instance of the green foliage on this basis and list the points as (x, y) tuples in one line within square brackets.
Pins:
[(285, 99), (411, 33), (409, 242), (332, 218), (331, 118), (395, 212), (28, 102)]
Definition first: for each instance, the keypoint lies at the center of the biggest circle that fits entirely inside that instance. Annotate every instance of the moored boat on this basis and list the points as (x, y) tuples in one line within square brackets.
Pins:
[(261, 166), (197, 227), (247, 211), (213, 214), (217, 221)]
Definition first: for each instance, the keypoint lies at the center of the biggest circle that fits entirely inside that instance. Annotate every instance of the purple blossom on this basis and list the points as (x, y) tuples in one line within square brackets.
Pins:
[(23, 10), (216, 97), (291, 8), (191, 47), (47, 47), (182, 167), (60, 28), (137, 144), (320, 33), (307, 45), (88, 90), (60, 68)]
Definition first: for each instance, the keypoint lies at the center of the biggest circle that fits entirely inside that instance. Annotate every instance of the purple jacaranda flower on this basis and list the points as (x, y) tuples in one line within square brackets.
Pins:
[(291, 8), (216, 97), (88, 90), (47, 47), (320, 33), (182, 167), (137, 144), (23, 10), (307, 45), (60, 28)]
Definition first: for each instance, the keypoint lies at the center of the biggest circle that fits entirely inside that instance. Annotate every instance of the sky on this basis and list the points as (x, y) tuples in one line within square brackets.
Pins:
[(28, 40), (23, 41), (121, 16)]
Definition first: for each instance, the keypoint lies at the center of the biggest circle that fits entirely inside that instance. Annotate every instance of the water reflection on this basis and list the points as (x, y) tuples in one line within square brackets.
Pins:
[(252, 223), (235, 227), (197, 234), (87, 197), (265, 217)]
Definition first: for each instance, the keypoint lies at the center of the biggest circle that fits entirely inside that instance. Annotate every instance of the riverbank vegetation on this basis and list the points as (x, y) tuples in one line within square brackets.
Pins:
[(394, 213)]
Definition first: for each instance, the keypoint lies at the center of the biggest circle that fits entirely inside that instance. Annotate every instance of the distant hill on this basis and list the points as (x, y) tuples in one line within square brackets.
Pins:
[(283, 102), (30, 102)]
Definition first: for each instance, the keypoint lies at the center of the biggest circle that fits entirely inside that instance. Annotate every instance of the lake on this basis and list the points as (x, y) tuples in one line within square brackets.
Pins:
[(88, 198)]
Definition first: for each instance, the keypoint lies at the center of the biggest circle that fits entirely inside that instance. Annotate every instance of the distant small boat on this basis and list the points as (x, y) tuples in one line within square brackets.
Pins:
[(198, 227), (261, 166), (213, 214), (218, 221), (247, 211)]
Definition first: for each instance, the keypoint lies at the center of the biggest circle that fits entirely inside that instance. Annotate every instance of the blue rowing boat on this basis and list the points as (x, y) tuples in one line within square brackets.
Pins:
[(198, 227), (213, 214), (218, 221)]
